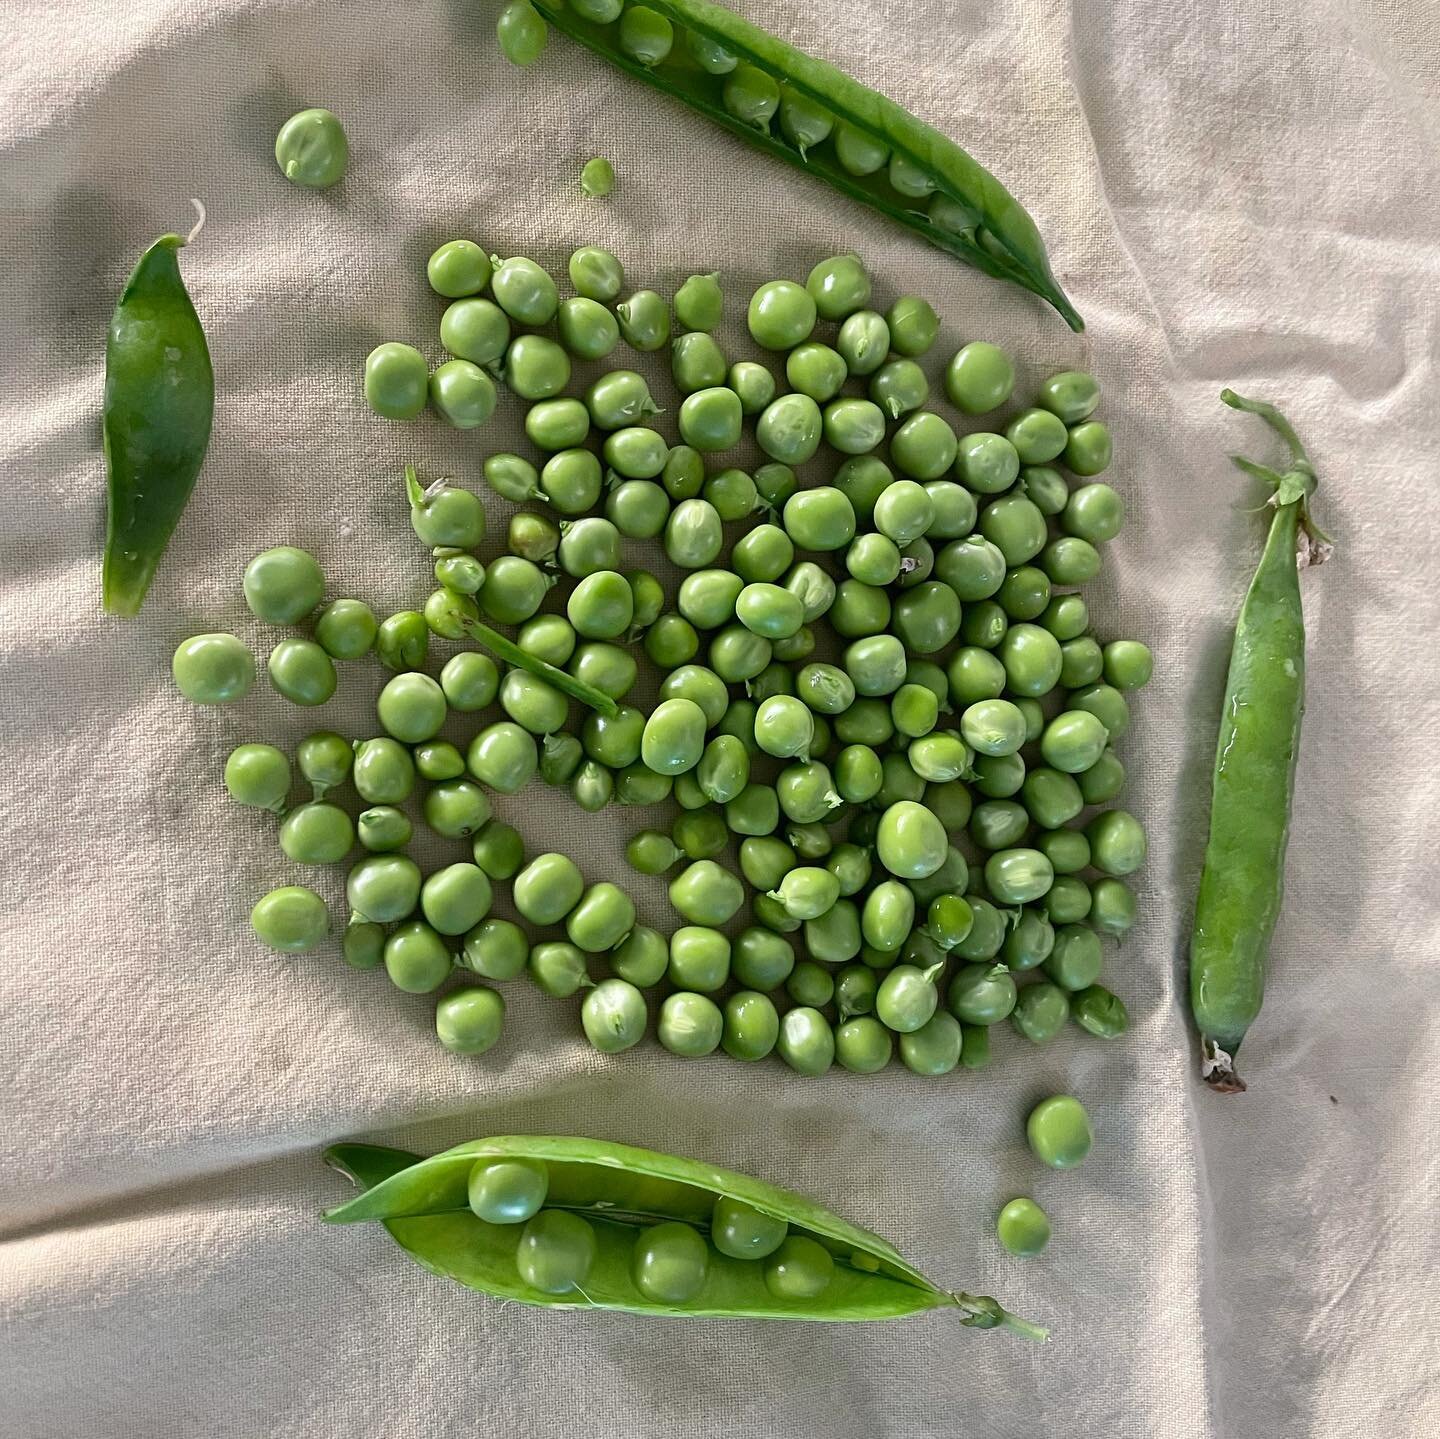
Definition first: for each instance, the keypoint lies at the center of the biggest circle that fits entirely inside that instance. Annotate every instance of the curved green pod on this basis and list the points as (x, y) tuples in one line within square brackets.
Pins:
[(159, 404), (1242, 882), (987, 227), (623, 1191)]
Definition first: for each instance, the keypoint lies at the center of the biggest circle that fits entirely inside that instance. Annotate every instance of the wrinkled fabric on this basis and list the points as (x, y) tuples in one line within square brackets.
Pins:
[(1232, 194)]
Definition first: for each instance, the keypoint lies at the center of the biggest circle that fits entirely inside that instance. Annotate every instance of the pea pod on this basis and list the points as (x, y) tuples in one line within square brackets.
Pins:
[(625, 1192), (159, 403), (1242, 883), (970, 214)]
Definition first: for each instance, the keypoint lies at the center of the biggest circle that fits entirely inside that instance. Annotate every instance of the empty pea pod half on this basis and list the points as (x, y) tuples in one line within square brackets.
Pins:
[(873, 150), (594, 1225)]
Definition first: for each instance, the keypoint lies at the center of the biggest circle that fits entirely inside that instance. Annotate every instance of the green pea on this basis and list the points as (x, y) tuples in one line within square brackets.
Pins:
[(987, 932), (644, 321), (416, 958), (669, 1263), (470, 1020), (690, 1025), (588, 330), (1072, 395), (458, 268), (858, 151), (507, 1191), (299, 669), (1075, 961), (741, 1231), (641, 958), (806, 1042), (927, 617), (547, 889), (1040, 1012), (596, 274), (1117, 842), (913, 323), (1073, 741), (1113, 908), (816, 370), (1099, 1012), (363, 944), (762, 959), (864, 342), (979, 378), (1127, 664), (521, 33), (291, 920), (1023, 1228), (614, 1016), (592, 786), (810, 984), (753, 383), (863, 1045), (907, 998), (752, 96), (258, 775), (325, 760), (558, 969), (597, 177), (495, 949), (699, 959), (858, 773), (316, 834), (474, 329), (557, 1250), (732, 493), (804, 123), (346, 629), (934, 1048), (462, 393), (839, 286), (898, 387), (311, 149), (1058, 1131), (1088, 449), (789, 429), (706, 894), (973, 567), (455, 899), (524, 291), (981, 994)]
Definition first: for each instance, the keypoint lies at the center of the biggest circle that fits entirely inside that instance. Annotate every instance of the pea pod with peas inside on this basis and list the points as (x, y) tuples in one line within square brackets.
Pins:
[(159, 405), (575, 1223), (1242, 882), (858, 141)]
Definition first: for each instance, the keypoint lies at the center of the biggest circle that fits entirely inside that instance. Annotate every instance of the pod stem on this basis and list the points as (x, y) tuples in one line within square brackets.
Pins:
[(1217, 1068), (559, 679), (985, 1313)]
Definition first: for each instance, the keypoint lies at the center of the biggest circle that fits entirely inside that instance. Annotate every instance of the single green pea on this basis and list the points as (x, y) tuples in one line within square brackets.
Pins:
[(1117, 842), (311, 149), (644, 321), (908, 178), (863, 1045), (1088, 449), (706, 894), (507, 1191), (592, 786), (781, 315), (1072, 395), (1099, 1012), (979, 378), (669, 1263), (383, 771), (811, 984), (816, 370), (690, 1025), (416, 958), (839, 285), (458, 573), (926, 617), (762, 959), (458, 268), (597, 177), (346, 629), (396, 381), (641, 958), (907, 997), (521, 32), (1094, 512), (301, 671), (1023, 1228), (858, 151), (557, 968), (556, 1252), (913, 323), (614, 1016), (973, 567), (462, 393), (536, 367), (363, 944), (475, 329), (470, 681), (524, 291), (800, 1268), (291, 920), (645, 36), (934, 1048), (411, 707), (1070, 560), (864, 342), (596, 274), (1127, 664), (741, 1231), (1038, 436), (1040, 1012), (316, 833), (213, 669), (470, 1020), (503, 756), (1075, 960), (283, 585), (699, 959), (899, 387), (789, 429), (806, 1042), (1073, 741), (732, 493), (752, 382), (804, 123), (456, 898), (1058, 1131), (496, 949), (975, 1051), (258, 775), (987, 463), (383, 829)]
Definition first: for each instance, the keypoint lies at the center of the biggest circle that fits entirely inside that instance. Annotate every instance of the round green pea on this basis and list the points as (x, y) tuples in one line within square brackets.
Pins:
[(556, 1252), (213, 669), (979, 378), (291, 920), (397, 381), (1023, 1228), (1058, 1131), (806, 1042), (507, 1191), (470, 1020), (312, 150), (690, 1025)]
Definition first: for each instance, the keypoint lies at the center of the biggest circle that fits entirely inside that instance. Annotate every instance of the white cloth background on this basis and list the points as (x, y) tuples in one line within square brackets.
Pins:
[(1234, 193)]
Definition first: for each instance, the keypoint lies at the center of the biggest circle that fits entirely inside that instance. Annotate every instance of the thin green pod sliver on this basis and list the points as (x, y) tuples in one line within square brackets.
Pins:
[(1002, 239), (1242, 881), (621, 1190), (159, 405)]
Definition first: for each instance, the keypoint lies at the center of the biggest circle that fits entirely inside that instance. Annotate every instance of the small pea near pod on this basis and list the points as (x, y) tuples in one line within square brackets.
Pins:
[(573, 1223)]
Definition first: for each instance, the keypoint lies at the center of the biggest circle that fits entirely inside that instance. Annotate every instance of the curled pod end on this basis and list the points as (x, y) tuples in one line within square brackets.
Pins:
[(1217, 1068)]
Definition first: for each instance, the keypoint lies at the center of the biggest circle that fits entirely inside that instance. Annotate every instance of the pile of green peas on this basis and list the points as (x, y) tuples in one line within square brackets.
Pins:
[(885, 734)]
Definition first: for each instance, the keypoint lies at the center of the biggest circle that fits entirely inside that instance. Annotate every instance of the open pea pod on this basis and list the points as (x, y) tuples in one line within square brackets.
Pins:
[(623, 1191), (969, 213)]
